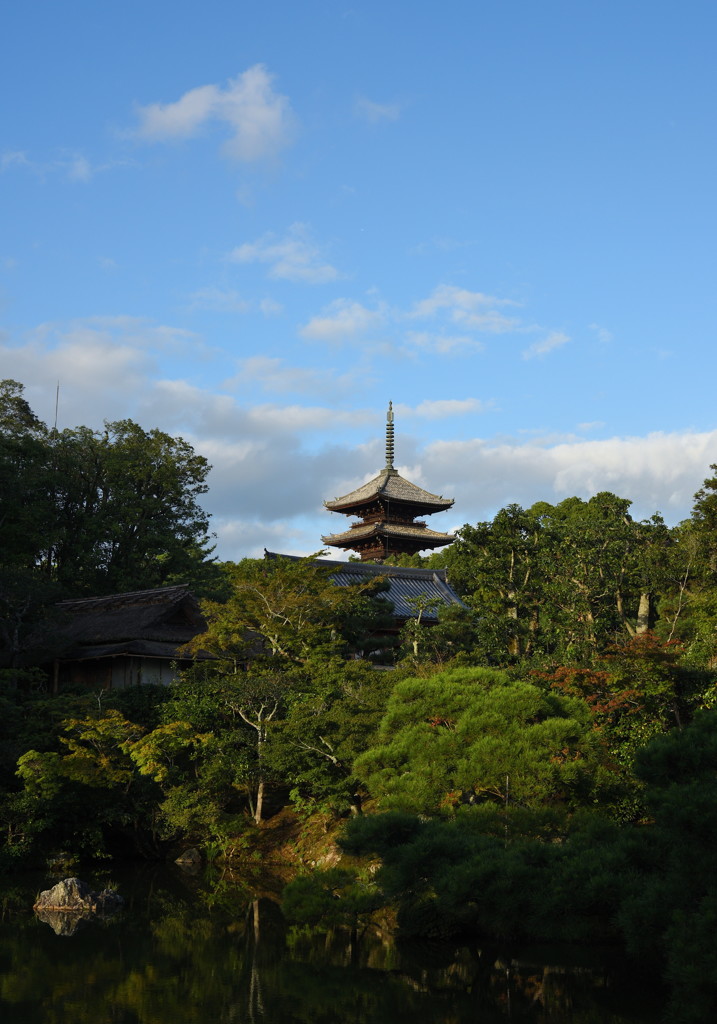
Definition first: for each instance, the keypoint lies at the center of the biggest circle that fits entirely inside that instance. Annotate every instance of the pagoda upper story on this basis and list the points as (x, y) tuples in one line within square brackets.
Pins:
[(388, 506)]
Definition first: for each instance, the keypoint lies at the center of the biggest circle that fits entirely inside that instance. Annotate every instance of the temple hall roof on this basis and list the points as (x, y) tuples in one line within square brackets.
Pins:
[(403, 582)]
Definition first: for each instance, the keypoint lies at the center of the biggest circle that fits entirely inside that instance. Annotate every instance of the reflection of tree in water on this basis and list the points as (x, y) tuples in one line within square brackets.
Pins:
[(181, 957), (256, 1004)]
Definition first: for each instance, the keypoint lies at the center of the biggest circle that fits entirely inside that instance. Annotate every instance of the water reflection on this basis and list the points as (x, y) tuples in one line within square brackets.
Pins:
[(186, 952)]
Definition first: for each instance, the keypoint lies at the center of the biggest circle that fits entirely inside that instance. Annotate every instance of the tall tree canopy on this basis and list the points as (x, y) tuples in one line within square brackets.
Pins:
[(561, 580), (97, 511)]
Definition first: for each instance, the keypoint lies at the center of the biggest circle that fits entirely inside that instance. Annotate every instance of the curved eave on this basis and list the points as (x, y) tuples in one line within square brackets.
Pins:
[(428, 538), (389, 486), (422, 508)]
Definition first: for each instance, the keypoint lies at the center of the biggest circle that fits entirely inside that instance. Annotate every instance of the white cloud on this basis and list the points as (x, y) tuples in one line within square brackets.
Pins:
[(229, 300), (260, 119), (220, 300), (373, 112), (472, 310), (658, 472), (95, 373), (342, 319), (296, 257), (104, 365), (441, 408), (243, 538), (75, 166), (14, 158), (270, 307), (274, 463), (291, 418), (273, 375), (79, 169), (603, 335), (556, 339), (443, 344)]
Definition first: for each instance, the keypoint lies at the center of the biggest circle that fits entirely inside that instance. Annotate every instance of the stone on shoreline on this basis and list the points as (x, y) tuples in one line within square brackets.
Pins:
[(74, 896), (190, 859)]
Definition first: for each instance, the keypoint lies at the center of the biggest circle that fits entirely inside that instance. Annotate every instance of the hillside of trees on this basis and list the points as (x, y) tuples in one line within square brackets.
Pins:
[(541, 764)]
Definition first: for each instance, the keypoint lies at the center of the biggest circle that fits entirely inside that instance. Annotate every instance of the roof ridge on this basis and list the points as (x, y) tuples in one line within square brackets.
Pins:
[(124, 595), (373, 568)]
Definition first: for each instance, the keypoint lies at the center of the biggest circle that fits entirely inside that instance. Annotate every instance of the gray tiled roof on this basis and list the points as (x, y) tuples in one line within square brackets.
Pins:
[(390, 484), (403, 583), (363, 530)]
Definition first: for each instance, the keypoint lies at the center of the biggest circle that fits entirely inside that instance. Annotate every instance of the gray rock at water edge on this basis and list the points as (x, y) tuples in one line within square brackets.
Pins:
[(189, 859), (73, 895)]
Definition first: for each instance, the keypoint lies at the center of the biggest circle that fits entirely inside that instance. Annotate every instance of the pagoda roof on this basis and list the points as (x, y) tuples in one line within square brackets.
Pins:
[(362, 531), (391, 485)]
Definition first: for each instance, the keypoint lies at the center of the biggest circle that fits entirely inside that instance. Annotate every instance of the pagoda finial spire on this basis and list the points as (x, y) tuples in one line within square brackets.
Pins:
[(389, 436)]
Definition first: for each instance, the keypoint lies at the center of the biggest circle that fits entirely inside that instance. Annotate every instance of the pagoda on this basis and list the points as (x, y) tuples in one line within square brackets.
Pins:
[(387, 507)]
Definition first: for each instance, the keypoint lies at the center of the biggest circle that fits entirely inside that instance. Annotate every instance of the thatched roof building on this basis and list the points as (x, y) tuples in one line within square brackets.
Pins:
[(125, 639)]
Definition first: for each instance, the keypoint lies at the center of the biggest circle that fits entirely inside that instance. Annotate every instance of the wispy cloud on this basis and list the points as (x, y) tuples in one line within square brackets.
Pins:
[(369, 110), (75, 167), (443, 344), (342, 319), (261, 120), (270, 307), (274, 375), (219, 300), (295, 257), (14, 158), (438, 409), (472, 310), (556, 339), (79, 168), (602, 333)]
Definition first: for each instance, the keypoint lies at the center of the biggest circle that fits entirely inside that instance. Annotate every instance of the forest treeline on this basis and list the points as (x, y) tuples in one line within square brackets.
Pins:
[(542, 763)]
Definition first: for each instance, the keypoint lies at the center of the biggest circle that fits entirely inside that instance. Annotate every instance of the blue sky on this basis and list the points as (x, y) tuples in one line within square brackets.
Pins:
[(254, 224)]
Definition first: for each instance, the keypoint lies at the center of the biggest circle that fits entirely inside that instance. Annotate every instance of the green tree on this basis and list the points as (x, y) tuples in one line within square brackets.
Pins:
[(278, 608), (454, 637), (90, 797), (333, 709), (690, 606), (603, 573), (25, 509), (496, 566), (467, 736), (98, 511), (126, 506), (561, 581)]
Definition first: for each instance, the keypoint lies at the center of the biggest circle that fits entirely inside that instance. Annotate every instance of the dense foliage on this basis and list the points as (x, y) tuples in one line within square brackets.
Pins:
[(92, 512), (539, 764)]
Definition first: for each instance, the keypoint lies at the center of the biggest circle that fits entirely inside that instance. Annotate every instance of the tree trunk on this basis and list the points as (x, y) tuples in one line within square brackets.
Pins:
[(643, 613), (259, 801), (512, 613), (621, 612)]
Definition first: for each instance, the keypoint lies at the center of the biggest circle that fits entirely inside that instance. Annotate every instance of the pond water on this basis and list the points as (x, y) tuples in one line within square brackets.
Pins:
[(206, 950)]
